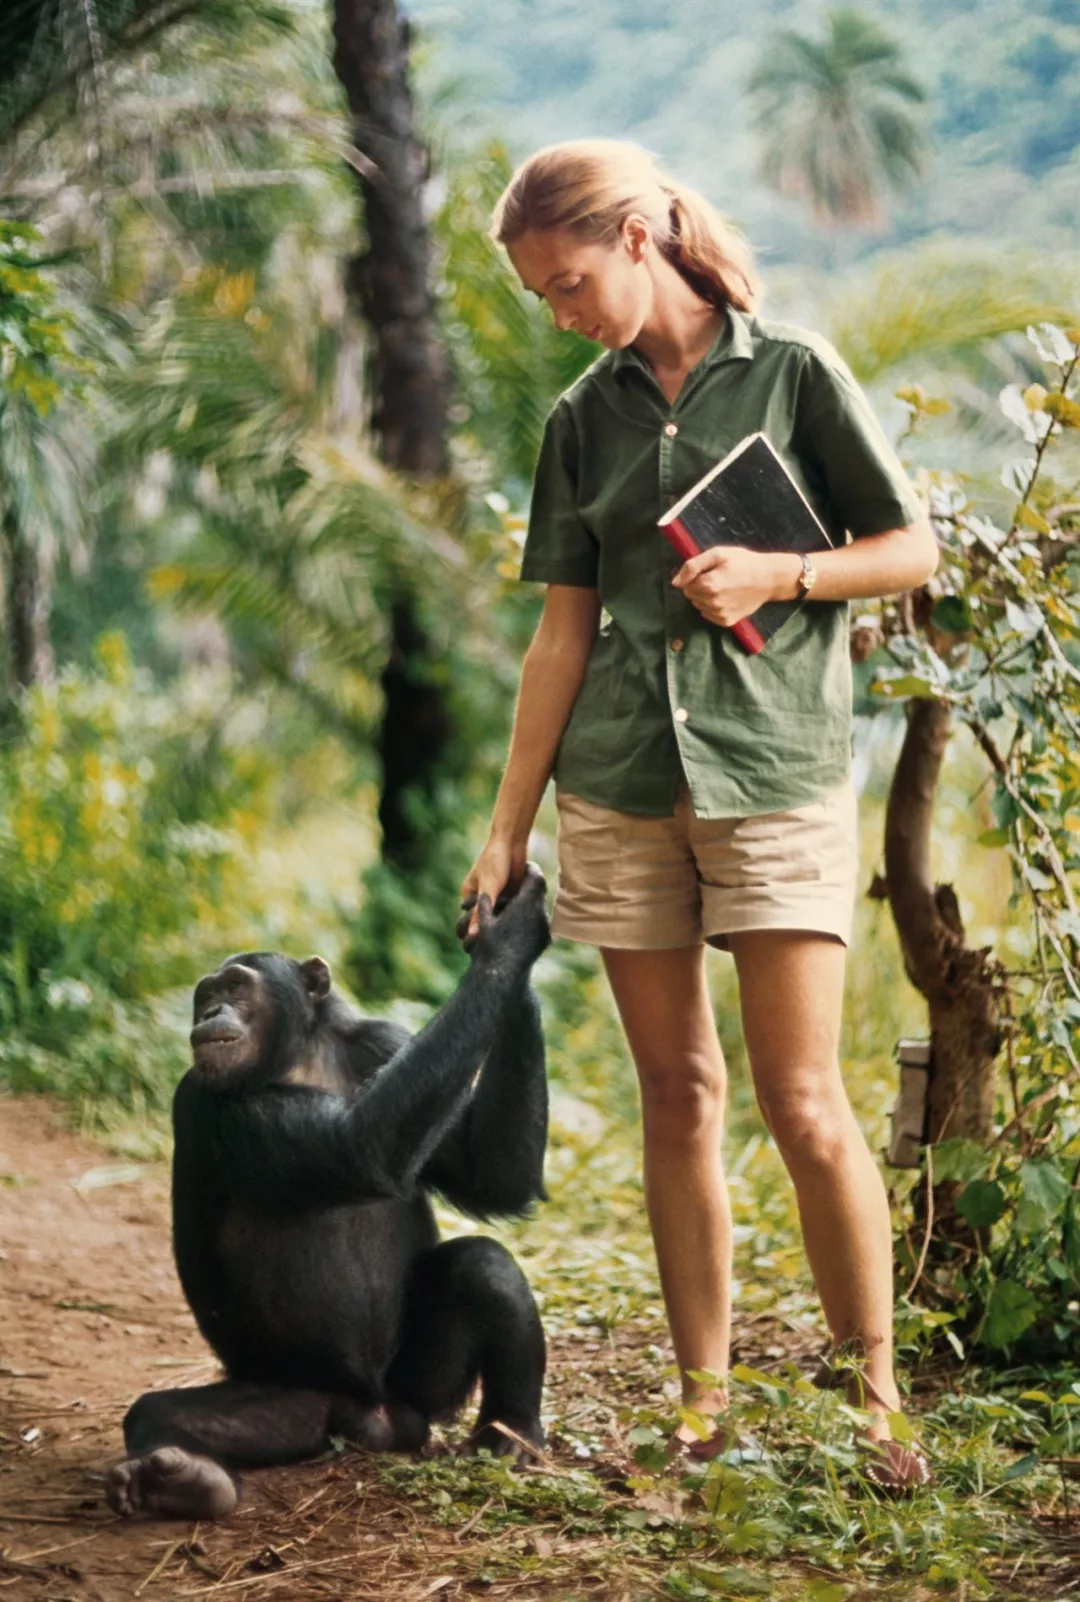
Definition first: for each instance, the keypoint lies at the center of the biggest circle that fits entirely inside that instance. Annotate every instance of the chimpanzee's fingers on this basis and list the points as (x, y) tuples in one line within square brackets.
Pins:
[(475, 923), (467, 920)]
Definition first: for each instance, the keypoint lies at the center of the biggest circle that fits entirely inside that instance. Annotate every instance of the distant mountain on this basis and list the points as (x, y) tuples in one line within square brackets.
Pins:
[(1003, 77)]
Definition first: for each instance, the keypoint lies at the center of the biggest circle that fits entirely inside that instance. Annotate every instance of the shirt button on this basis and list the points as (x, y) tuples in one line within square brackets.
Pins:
[(671, 429), (676, 645), (681, 715)]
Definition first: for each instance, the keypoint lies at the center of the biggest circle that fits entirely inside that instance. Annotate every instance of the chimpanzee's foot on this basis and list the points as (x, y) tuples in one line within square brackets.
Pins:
[(388, 1427), (171, 1484), (522, 1442), (411, 1429)]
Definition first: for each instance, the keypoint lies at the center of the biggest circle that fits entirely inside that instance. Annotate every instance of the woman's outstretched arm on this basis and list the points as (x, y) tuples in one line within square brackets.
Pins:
[(551, 677)]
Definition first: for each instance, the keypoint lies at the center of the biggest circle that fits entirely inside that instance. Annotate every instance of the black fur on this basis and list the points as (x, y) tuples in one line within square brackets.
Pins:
[(307, 1141)]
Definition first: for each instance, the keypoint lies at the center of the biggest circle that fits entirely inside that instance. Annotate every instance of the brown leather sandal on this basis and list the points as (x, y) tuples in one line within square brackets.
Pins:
[(897, 1469)]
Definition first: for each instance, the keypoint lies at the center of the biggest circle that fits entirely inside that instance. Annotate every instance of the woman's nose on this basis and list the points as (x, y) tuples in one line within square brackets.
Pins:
[(564, 320)]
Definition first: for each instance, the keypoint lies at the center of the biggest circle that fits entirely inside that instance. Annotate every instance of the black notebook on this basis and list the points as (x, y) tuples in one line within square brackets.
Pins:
[(748, 499)]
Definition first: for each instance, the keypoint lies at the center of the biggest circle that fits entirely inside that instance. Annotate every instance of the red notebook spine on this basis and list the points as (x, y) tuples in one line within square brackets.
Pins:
[(680, 537), (685, 546)]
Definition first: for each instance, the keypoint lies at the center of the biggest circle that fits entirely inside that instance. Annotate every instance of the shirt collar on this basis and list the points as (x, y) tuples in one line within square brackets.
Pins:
[(734, 343)]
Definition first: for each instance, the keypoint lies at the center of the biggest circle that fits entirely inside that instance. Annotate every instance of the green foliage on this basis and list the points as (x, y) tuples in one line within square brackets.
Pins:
[(402, 944), (792, 1497), (116, 1063), (45, 52), (1002, 646), (510, 362), (937, 302), (278, 522), (36, 354), (123, 817), (46, 442)]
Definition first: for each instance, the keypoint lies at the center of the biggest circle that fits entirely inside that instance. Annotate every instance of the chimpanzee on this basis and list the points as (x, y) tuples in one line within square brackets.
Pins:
[(307, 1140)]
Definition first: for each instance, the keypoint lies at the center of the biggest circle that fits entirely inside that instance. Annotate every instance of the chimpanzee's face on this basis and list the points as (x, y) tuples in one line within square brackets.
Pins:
[(234, 1020)]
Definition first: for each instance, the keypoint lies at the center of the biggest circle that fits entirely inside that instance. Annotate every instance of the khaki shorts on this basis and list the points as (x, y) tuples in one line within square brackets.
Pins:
[(652, 884)]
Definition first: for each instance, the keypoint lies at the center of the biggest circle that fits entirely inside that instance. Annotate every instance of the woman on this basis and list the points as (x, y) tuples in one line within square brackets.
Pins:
[(704, 795)]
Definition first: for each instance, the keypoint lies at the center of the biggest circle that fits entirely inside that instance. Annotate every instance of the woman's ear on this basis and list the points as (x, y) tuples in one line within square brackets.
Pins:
[(636, 236)]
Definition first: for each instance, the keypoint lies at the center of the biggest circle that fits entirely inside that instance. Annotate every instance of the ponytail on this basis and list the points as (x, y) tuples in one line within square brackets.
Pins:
[(713, 256)]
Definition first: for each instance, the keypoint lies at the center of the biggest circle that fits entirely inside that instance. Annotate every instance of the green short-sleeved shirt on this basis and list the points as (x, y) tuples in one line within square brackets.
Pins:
[(667, 695)]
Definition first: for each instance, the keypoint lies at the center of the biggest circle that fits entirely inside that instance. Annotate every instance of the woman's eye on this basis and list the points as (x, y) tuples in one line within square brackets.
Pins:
[(572, 289)]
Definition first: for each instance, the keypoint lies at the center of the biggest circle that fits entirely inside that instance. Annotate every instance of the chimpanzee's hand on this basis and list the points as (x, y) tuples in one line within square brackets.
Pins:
[(516, 931), (461, 928), (496, 873)]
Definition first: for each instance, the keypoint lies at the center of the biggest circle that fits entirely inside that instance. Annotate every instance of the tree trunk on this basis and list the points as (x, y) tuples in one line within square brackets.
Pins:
[(416, 730), (960, 984), (390, 282), (27, 605), (391, 279)]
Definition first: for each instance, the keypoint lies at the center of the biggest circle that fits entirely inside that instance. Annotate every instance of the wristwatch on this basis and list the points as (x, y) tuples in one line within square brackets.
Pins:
[(808, 576)]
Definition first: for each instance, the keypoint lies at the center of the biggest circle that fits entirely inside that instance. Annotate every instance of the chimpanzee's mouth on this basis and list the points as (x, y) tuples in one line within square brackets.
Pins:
[(208, 1034)]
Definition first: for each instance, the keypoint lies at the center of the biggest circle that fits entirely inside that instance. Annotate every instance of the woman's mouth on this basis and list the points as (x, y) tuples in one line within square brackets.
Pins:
[(593, 333)]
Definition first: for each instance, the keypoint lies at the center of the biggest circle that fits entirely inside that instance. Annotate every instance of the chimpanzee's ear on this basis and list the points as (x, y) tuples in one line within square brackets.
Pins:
[(317, 977)]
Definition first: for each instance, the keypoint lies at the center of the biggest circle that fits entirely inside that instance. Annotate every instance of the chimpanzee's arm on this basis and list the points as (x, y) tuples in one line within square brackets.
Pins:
[(492, 1160), (289, 1148)]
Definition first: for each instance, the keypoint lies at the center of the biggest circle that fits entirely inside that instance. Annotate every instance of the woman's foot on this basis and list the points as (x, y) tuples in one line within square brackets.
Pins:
[(895, 1468), (722, 1438), (892, 1466), (708, 1409)]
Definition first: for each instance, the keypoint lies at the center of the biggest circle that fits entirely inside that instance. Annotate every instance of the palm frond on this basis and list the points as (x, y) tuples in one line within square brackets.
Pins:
[(47, 49), (938, 300)]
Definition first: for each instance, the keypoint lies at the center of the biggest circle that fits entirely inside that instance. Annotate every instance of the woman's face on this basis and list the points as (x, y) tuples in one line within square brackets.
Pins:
[(601, 291)]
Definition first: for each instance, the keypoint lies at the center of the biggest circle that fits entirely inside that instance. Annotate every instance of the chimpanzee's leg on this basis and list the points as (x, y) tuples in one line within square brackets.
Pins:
[(471, 1315), (180, 1441)]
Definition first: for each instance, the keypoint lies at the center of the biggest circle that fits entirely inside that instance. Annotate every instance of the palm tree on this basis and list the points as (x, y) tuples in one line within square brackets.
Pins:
[(834, 117)]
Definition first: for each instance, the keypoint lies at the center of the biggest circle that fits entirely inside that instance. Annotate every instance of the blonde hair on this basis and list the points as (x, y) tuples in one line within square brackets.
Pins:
[(590, 186)]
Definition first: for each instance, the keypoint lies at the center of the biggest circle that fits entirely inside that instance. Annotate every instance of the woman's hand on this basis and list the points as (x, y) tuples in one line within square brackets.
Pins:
[(727, 582), (500, 865)]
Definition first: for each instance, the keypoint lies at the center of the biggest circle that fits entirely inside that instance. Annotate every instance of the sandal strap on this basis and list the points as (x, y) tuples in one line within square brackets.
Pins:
[(897, 1468)]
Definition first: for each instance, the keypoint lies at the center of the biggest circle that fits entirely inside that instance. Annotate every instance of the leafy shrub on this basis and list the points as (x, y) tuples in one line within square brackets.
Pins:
[(1000, 645), (122, 811)]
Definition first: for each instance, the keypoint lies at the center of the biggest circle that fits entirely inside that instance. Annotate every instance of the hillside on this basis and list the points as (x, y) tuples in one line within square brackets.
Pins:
[(1004, 109)]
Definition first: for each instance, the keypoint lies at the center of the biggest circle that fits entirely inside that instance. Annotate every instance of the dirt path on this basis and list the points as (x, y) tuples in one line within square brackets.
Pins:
[(91, 1315)]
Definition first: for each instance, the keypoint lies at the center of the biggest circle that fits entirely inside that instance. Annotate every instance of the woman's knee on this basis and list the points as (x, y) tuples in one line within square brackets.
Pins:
[(679, 1102), (812, 1129)]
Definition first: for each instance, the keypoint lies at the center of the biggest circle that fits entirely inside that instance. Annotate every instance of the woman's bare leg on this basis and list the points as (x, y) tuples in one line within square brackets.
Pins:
[(666, 1012), (791, 987)]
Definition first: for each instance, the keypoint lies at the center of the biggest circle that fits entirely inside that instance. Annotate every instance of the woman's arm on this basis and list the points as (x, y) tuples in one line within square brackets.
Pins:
[(727, 582), (551, 677)]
